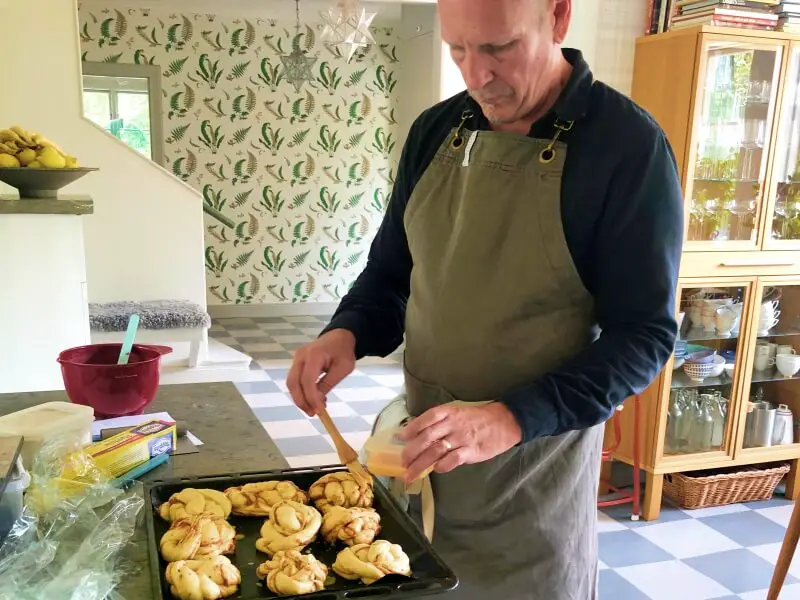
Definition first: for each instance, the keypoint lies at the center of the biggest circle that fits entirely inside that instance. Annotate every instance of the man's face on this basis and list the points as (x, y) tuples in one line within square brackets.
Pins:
[(502, 48)]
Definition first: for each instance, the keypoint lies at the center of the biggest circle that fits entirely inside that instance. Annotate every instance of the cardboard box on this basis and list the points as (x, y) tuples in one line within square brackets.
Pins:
[(124, 451)]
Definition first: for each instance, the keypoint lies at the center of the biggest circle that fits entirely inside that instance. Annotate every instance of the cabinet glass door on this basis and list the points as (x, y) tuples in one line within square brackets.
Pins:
[(770, 416), (701, 402), (733, 121), (783, 225)]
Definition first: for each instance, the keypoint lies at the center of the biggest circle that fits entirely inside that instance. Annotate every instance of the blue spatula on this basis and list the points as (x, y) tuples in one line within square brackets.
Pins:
[(127, 343)]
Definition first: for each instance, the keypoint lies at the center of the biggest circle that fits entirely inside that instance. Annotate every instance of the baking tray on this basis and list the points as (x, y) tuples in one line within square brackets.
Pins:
[(430, 575)]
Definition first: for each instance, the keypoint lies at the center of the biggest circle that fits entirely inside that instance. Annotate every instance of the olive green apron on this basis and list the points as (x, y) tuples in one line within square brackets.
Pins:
[(495, 303)]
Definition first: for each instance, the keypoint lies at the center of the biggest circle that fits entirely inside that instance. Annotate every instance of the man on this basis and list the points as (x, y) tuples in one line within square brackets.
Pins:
[(529, 254)]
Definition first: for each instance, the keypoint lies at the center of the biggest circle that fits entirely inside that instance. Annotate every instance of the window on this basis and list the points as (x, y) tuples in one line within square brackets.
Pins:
[(124, 100)]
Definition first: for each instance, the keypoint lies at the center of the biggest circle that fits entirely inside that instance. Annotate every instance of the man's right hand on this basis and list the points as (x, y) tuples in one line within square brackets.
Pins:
[(319, 367)]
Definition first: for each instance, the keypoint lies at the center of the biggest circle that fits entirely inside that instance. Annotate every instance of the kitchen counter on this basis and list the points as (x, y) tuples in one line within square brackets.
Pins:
[(233, 440)]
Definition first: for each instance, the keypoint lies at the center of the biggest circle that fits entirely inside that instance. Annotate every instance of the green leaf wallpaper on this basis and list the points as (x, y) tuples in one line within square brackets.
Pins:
[(303, 177)]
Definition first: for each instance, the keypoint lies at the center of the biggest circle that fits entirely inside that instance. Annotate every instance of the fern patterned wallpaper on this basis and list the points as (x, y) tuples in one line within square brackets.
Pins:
[(305, 176)]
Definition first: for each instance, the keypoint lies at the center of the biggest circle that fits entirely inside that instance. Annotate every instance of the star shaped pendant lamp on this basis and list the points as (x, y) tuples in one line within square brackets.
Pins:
[(297, 64), (347, 28)]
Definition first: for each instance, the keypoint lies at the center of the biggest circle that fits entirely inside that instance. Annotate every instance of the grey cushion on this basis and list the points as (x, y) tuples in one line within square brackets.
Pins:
[(156, 314)]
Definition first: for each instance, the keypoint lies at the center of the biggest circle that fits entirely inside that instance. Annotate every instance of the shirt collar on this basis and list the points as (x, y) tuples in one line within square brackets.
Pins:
[(573, 102)]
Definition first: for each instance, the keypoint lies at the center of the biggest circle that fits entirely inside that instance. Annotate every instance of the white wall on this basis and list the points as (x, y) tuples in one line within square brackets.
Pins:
[(145, 240), (420, 75)]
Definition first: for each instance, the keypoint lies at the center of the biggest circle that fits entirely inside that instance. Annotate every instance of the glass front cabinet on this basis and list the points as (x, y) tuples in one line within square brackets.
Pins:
[(729, 102)]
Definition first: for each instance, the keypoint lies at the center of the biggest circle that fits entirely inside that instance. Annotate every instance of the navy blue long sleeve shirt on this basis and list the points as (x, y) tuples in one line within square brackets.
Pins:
[(622, 213)]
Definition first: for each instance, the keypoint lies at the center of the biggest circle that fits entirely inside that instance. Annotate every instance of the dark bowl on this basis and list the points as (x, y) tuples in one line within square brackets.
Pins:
[(41, 183)]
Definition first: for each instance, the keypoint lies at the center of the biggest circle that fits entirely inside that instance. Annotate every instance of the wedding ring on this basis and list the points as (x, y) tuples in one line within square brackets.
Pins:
[(447, 445)]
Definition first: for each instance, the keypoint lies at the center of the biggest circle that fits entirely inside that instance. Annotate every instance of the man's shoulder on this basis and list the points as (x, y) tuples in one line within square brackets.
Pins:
[(621, 117)]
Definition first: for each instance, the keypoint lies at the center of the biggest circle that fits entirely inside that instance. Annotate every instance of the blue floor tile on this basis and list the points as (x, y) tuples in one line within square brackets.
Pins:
[(626, 548), (747, 528), (777, 500), (738, 570), (270, 414), (345, 424), (257, 387), (357, 381), (277, 374), (616, 587), (304, 446)]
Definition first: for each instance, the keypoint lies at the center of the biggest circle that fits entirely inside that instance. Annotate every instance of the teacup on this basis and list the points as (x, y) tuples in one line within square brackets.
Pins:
[(788, 364), (785, 349), (726, 320), (763, 361)]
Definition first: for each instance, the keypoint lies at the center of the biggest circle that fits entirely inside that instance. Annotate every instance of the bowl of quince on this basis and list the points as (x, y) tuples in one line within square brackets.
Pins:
[(36, 166)]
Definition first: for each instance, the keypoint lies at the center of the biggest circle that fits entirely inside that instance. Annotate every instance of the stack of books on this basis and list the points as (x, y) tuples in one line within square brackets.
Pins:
[(789, 16), (747, 14)]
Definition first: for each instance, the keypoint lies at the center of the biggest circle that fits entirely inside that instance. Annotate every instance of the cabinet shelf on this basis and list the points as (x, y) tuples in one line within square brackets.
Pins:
[(696, 334), (681, 380)]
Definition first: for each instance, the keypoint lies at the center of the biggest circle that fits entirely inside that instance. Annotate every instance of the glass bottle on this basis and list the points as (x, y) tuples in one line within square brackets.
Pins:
[(717, 405), (703, 427), (674, 422)]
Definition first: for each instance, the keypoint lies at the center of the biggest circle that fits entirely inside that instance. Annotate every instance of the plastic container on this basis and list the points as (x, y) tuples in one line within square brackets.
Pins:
[(46, 421), (384, 452), (11, 501)]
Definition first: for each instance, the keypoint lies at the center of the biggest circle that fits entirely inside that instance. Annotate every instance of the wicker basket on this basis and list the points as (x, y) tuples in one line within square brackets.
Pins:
[(724, 486)]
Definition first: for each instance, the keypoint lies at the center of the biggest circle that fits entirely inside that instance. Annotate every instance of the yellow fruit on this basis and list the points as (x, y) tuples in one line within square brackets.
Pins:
[(26, 156), (49, 158), (72, 162), (6, 161), (34, 165)]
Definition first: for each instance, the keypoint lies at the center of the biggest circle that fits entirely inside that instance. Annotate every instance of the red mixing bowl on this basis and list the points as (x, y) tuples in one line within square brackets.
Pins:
[(93, 378)]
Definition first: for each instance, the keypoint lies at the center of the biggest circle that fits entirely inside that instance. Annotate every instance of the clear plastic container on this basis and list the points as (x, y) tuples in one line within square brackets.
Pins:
[(384, 452), (11, 501), (46, 421)]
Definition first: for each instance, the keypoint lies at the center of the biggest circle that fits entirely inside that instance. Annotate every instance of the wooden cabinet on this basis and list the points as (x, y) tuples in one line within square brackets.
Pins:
[(729, 102)]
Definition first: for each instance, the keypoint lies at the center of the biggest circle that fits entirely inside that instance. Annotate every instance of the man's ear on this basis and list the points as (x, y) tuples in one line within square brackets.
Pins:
[(562, 11)]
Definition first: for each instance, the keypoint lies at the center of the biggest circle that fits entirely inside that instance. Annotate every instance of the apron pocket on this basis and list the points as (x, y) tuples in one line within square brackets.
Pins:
[(476, 494)]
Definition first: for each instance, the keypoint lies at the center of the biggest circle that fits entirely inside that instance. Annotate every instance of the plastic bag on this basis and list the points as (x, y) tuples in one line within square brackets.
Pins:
[(75, 522)]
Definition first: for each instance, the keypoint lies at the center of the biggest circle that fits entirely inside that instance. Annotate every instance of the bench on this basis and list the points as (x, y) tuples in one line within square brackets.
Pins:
[(160, 322)]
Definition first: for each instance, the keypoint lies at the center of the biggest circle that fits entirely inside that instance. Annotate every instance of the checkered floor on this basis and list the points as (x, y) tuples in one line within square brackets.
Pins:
[(720, 553)]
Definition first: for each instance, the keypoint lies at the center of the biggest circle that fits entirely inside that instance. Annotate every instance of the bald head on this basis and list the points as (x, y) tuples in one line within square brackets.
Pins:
[(506, 50)]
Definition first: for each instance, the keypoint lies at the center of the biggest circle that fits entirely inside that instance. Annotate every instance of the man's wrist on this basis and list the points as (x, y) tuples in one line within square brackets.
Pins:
[(508, 420)]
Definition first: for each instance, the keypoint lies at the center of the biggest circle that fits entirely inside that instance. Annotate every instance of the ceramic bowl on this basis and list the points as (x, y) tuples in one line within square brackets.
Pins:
[(698, 371), (702, 357), (719, 366), (678, 363)]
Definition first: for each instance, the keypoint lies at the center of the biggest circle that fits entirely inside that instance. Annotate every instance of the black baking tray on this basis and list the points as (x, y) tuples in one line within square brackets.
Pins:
[(430, 574)]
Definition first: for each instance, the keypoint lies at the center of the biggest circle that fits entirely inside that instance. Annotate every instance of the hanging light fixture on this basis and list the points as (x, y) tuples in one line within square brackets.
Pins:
[(347, 28), (297, 64)]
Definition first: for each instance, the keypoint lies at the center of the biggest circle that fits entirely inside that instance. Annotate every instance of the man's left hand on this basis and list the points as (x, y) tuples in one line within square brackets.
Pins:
[(448, 436)]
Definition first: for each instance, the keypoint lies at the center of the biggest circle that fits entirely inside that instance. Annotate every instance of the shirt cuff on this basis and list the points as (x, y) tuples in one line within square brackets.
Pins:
[(536, 416)]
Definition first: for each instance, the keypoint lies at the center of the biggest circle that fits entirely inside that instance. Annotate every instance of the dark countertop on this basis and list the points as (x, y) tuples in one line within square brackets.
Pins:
[(233, 441)]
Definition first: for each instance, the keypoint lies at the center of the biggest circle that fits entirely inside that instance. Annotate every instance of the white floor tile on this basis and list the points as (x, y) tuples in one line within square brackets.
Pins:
[(389, 380), (340, 409), (290, 429), (713, 511), (769, 552), (357, 439), (778, 514), (313, 460), (272, 327), (789, 592), (686, 538), (268, 399), (280, 363), (663, 580), (606, 523), (601, 565), (378, 360), (302, 319), (364, 394)]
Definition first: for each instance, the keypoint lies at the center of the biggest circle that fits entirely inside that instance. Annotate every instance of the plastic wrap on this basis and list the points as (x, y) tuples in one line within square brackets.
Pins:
[(75, 522)]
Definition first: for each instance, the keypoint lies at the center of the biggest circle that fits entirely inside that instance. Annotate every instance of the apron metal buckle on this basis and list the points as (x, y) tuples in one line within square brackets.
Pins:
[(548, 154), (458, 139)]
